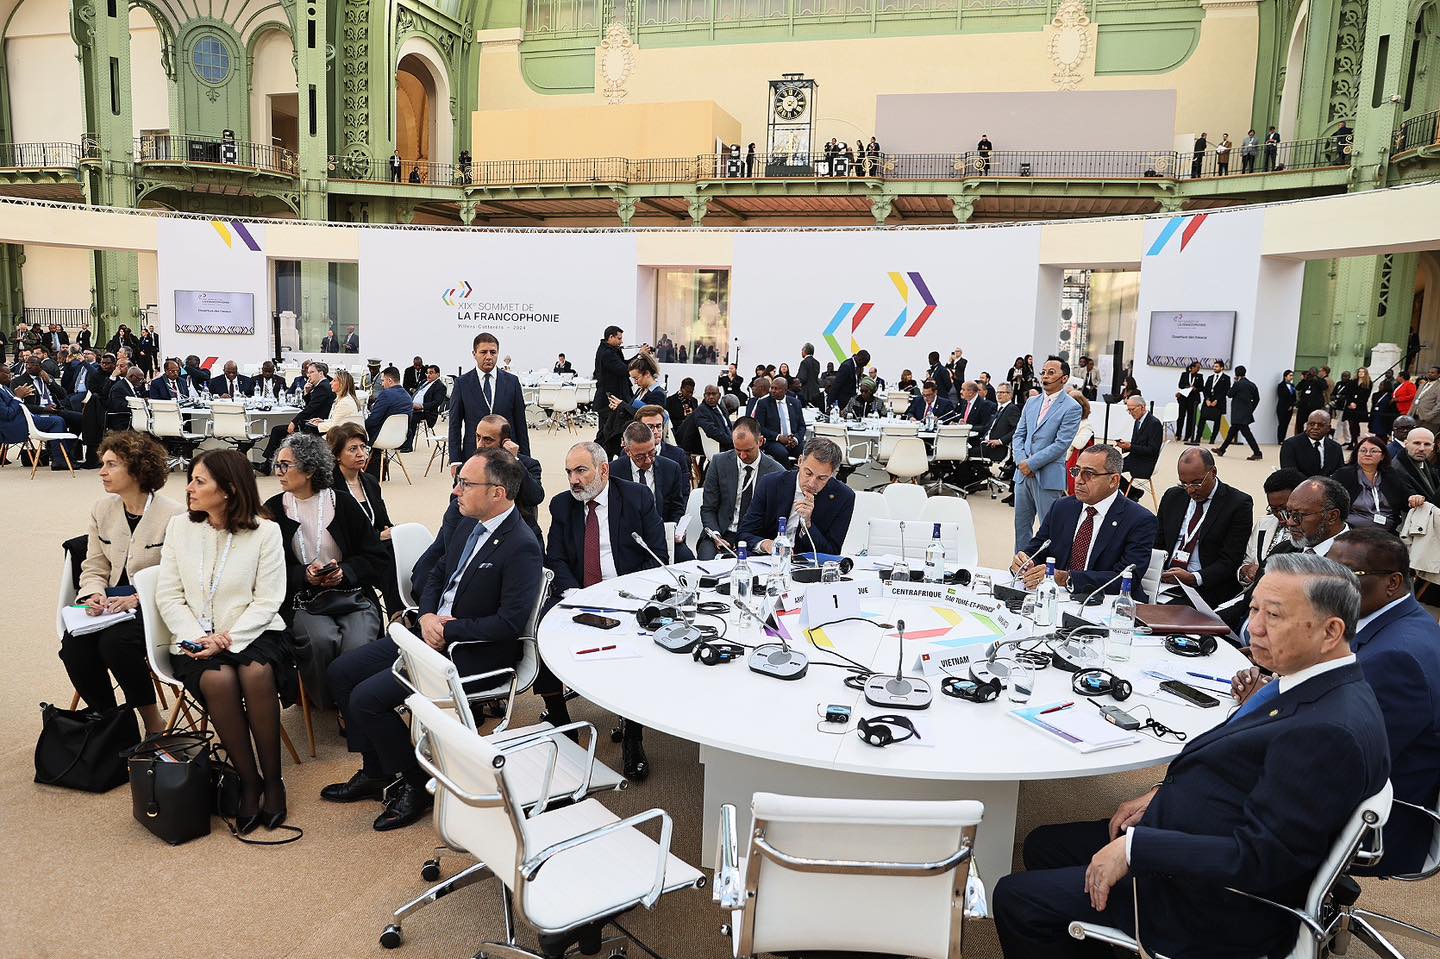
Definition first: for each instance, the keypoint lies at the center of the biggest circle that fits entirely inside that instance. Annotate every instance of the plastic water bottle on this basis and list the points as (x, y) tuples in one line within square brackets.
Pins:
[(834, 412), (783, 548), (1122, 625), (1047, 597), (740, 584), (935, 558), (774, 589)]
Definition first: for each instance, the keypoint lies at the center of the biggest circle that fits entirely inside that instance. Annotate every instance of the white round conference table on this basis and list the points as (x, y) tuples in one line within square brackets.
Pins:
[(760, 733)]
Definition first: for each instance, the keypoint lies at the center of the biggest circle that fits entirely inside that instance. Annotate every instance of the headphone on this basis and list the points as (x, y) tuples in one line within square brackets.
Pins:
[(974, 690), (652, 616), (1191, 645), (1100, 682), (878, 731), (715, 654)]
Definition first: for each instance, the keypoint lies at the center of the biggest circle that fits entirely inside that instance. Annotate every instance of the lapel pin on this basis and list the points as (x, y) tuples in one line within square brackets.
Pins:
[(1274, 713)]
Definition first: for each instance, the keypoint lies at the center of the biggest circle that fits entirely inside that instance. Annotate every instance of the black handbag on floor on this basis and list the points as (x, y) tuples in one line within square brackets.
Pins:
[(83, 748), (171, 793)]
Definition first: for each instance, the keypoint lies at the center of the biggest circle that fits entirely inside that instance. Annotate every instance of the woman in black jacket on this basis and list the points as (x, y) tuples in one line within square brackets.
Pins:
[(333, 559), (1284, 405), (1355, 404), (351, 447), (1379, 494)]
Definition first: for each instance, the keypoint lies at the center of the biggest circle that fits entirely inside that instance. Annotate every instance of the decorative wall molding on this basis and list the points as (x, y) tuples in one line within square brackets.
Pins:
[(1070, 44), (615, 59), (1345, 76)]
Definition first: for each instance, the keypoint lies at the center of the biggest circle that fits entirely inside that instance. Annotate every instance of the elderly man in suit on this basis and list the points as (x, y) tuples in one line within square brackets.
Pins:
[(709, 418), (1093, 535), (592, 529), (1313, 452), (425, 401), (480, 392), (1253, 804), (14, 429), (973, 408), (1042, 440), (231, 384), (173, 385), (474, 610), (1244, 398), (1002, 425), (811, 494), (807, 376), (730, 483), (782, 422), (640, 462), (1204, 527), (1142, 450)]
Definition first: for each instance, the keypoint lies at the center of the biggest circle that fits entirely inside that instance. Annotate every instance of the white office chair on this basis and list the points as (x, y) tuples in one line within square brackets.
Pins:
[(139, 414), (868, 505), (905, 500), (908, 461), (816, 874), (168, 425), (837, 434), (230, 423), (1322, 924), (409, 541), (694, 531), (1151, 579), (890, 435), (709, 445), (567, 873), (1168, 414), (952, 447), (670, 543), (388, 442), (157, 650), (567, 401), (35, 437), (886, 538), (899, 402), (951, 509), (1376, 925)]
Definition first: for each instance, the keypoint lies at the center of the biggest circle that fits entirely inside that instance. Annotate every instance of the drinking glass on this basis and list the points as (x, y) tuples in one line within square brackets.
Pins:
[(900, 572), (830, 572), (982, 585), (1022, 683)]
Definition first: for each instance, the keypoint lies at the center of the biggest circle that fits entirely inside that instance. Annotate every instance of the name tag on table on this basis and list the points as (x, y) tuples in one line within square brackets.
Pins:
[(827, 602)]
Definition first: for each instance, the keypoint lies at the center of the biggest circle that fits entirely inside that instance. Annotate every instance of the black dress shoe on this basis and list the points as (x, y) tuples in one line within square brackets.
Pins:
[(359, 787), (637, 767), (408, 803), (272, 819)]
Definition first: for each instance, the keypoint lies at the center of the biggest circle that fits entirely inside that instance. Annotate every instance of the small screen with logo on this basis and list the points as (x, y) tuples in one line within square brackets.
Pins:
[(207, 311)]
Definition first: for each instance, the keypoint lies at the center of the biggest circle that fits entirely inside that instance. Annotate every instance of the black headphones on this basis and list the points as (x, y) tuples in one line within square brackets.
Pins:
[(976, 691), (652, 616), (877, 730), (714, 654), (1182, 645), (1101, 682)]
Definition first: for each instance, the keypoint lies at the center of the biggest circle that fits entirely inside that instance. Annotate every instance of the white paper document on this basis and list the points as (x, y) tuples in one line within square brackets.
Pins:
[(80, 623)]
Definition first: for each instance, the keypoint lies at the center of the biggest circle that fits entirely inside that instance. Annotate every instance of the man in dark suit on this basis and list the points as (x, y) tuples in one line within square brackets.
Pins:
[(76, 371), (930, 401), (231, 384), (14, 429), (1094, 534), (782, 422), (612, 378), (807, 376), (47, 397), (591, 539), (847, 380), (1142, 450), (940, 373), (710, 419), (563, 366), (1415, 466), (474, 609), (268, 383), (654, 417), (957, 366), (1313, 452), (301, 383), (173, 385), (199, 376), (1284, 405), (1253, 804), (810, 493), (330, 343), (730, 482), (759, 390), (1244, 398), (1188, 397), (1398, 646), (683, 403), (640, 462), (57, 339), (414, 375), (1309, 396), (425, 402), (352, 340), (1089, 379), (318, 401), (117, 407), (1002, 424), (1204, 528), (480, 392), (391, 400), (973, 409), (1214, 403)]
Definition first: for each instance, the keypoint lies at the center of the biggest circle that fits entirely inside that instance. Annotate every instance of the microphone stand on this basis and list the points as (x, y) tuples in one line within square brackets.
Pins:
[(897, 692), (776, 660)]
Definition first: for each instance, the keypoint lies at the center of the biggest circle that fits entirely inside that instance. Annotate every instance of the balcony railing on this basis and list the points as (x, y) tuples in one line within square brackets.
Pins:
[(1417, 132), (69, 317), (46, 156), (1315, 154), (171, 148), (396, 170)]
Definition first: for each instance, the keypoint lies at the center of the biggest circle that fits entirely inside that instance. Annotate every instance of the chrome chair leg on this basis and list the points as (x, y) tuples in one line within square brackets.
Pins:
[(1370, 927), (393, 936)]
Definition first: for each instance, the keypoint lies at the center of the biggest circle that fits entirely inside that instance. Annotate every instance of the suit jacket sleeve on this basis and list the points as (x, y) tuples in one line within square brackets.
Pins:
[(1399, 683), (831, 539), (557, 548), (754, 519), (532, 493), (710, 500), (1288, 823), (1147, 445), (516, 415), (676, 498), (519, 579), (652, 529), (1069, 426), (365, 562), (1220, 565), (1287, 456), (457, 421)]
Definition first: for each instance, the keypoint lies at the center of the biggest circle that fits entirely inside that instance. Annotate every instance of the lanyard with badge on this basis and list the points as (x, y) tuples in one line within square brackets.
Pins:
[(1186, 545), (1379, 517), (207, 619)]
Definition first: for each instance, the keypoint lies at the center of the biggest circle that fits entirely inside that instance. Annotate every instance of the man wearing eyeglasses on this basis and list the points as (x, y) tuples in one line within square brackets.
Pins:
[(1094, 534), (1204, 525)]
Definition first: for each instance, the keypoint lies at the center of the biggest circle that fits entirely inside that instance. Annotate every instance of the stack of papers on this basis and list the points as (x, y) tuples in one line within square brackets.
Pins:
[(1080, 728), (80, 623)]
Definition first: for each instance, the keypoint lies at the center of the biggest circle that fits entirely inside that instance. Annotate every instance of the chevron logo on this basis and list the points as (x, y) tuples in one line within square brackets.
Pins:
[(454, 296), (907, 284), (228, 230), (1191, 226)]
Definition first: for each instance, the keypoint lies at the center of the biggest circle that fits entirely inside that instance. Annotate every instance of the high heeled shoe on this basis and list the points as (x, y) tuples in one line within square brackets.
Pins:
[(272, 820), (245, 825)]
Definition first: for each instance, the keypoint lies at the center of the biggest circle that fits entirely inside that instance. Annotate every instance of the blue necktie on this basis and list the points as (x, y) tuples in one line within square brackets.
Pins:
[(465, 557), (1262, 698)]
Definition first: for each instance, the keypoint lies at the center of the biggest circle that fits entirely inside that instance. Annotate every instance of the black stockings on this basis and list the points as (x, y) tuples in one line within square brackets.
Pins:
[(242, 702)]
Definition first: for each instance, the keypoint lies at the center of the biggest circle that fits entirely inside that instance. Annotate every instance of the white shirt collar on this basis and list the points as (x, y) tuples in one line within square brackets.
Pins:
[(1288, 683), (1367, 620), (1102, 508), (1324, 548)]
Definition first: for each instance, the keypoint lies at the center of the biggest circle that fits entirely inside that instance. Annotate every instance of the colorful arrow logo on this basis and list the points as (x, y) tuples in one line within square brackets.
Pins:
[(450, 299), (1192, 226), (856, 314)]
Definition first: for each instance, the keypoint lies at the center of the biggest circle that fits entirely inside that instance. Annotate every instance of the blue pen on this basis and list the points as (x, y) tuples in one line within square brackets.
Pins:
[(1213, 679)]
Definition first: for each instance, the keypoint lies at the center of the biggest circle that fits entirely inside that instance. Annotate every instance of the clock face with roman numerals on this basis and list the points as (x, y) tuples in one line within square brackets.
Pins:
[(791, 101)]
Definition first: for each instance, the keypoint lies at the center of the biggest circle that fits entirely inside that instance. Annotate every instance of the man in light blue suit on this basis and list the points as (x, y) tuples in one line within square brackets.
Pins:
[(1047, 427)]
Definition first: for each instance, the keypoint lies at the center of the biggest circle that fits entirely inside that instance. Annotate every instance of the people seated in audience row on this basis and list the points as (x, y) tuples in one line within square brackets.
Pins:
[(641, 463), (351, 448), (782, 422), (810, 495), (318, 400), (1142, 450), (730, 483)]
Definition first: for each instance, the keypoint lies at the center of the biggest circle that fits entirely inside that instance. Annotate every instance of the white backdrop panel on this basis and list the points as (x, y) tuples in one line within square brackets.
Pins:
[(788, 289), (218, 256), (430, 293)]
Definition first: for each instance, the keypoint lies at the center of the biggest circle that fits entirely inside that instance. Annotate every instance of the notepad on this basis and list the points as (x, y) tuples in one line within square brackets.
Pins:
[(80, 623), (1080, 729)]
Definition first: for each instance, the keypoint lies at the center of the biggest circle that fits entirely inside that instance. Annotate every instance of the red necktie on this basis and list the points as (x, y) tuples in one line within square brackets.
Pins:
[(593, 574), (1080, 551)]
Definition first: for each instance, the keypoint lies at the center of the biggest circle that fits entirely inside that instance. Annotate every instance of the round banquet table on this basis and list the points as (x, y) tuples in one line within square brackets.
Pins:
[(757, 733)]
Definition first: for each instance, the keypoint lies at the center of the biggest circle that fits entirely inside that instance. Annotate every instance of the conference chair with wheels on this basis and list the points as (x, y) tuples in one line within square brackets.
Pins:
[(905, 500), (567, 873), (857, 452), (409, 541), (908, 461), (1151, 579), (1382, 927), (887, 538), (898, 402), (868, 505), (230, 424), (952, 447), (871, 876), (950, 509), (168, 426), (139, 414), (157, 648), (36, 438), (1326, 918), (388, 442), (890, 436)]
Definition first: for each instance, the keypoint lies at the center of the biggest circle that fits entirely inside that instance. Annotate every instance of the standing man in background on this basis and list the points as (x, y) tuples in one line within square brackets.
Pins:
[(847, 379), (479, 393), (1244, 397), (612, 378), (807, 376), (1047, 427)]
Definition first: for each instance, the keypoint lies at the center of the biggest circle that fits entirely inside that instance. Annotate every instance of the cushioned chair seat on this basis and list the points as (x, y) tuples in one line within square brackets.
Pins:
[(527, 766)]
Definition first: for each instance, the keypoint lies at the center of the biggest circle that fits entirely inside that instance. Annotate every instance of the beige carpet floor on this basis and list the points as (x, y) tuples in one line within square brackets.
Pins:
[(81, 878)]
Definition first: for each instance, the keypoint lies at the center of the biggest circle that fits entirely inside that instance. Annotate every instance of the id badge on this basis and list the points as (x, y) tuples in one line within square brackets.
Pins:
[(1381, 519), (206, 623), (1182, 556)]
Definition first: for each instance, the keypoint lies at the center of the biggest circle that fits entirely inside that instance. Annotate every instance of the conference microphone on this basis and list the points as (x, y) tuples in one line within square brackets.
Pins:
[(1030, 560), (685, 594), (897, 692), (1127, 571), (719, 541)]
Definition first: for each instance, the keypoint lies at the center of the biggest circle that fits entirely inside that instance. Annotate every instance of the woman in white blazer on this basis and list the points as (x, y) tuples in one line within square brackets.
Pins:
[(222, 583), (127, 529), (346, 408)]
